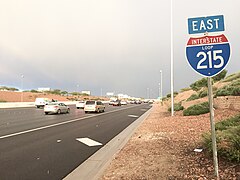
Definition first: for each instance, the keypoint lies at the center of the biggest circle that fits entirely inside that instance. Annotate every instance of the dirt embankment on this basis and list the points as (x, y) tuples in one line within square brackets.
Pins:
[(27, 96), (163, 148), (9, 96)]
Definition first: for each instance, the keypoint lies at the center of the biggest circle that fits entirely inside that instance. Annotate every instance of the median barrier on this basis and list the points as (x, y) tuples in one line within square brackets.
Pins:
[(26, 104)]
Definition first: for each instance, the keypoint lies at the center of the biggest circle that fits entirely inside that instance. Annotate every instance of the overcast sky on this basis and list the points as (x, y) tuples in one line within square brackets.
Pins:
[(114, 45)]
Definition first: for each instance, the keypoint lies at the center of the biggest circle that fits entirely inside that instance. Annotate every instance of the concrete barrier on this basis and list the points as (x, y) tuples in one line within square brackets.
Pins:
[(27, 104), (32, 104)]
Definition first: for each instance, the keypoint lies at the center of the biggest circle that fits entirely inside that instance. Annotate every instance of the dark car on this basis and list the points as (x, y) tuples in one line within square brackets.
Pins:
[(138, 102)]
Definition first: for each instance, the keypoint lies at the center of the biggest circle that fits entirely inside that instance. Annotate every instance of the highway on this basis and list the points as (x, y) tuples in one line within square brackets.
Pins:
[(38, 146)]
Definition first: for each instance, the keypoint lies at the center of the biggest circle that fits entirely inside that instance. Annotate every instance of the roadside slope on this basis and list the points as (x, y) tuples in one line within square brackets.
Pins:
[(163, 148)]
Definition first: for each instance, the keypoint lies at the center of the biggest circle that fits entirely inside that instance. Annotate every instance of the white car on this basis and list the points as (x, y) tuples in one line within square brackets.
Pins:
[(80, 105), (56, 108), (41, 102), (111, 102), (94, 106), (123, 102)]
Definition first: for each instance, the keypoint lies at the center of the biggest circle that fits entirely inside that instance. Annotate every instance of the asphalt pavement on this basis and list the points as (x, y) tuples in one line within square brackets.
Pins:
[(38, 146)]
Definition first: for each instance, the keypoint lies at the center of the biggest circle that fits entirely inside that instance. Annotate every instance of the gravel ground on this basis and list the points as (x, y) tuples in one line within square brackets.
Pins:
[(163, 148)]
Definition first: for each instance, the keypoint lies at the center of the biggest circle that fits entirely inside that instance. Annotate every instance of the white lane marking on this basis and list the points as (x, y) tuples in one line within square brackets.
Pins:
[(43, 127), (89, 142), (62, 123), (134, 116)]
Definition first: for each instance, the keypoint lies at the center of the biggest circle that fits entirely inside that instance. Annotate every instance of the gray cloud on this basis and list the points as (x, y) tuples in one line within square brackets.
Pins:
[(113, 45)]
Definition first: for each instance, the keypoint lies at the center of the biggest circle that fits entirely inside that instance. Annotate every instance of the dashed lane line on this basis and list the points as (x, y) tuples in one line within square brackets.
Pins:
[(134, 116), (89, 142), (61, 123)]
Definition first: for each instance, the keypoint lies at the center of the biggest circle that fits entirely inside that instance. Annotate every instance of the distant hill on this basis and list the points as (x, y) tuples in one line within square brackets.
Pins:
[(11, 96)]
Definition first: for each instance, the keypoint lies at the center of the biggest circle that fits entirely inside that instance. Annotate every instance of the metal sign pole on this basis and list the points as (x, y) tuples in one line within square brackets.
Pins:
[(214, 144)]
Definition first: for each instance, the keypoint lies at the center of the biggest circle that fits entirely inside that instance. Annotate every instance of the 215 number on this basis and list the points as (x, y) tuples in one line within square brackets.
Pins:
[(210, 56)]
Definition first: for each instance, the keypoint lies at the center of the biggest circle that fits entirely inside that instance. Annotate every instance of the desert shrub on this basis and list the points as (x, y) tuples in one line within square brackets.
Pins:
[(227, 137), (97, 98), (232, 89), (222, 92), (174, 94), (34, 91), (220, 76), (197, 109), (185, 89), (177, 107), (236, 82), (8, 88), (199, 84), (84, 94), (75, 93), (214, 89), (2, 101), (64, 93), (232, 77), (193, 97), (236, 91), (223, 125), (203, 93), (72, 98), (164, 98), (55, 91)]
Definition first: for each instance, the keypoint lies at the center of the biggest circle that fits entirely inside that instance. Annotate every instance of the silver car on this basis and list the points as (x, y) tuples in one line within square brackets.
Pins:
[(56, 108)]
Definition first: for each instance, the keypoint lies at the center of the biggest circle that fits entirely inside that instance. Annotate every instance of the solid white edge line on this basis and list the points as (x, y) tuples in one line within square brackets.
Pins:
[(61, 123)]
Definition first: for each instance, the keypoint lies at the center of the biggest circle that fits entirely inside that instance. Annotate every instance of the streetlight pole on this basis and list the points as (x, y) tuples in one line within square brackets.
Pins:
[(150, 93), (172, 96), (22, 76), (159, 90), (147, 93), (160, 94), (161, 85)]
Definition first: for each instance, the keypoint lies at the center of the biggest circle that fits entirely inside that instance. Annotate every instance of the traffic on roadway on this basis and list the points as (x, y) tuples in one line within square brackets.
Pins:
[(34, 145)]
